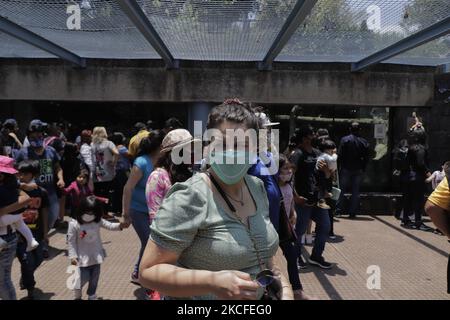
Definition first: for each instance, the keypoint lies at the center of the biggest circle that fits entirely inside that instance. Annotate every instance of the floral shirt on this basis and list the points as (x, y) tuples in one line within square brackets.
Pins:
[(158, 184)]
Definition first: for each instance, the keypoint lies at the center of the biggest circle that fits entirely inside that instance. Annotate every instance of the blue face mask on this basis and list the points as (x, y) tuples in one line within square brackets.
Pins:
[(231, 166), (37, 143)]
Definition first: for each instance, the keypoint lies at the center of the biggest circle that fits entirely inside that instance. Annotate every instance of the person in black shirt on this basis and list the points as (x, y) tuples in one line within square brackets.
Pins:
[(353, 155), (8, 135), (36, 218), (304, 158), (414, 181)]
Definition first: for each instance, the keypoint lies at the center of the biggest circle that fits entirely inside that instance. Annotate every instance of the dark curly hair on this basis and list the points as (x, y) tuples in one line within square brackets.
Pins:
[(232, 110)]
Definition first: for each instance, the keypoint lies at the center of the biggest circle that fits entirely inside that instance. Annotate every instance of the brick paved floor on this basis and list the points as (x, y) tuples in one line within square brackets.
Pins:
[(412, 263)]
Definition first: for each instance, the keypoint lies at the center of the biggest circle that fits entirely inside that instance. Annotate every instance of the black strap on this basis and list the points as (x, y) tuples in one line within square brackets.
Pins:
[(222, 193)]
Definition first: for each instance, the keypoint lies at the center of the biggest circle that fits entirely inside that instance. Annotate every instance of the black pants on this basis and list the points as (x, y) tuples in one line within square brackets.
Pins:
[(290, 253), (119, 182), (413, 199), (104, 189), (29, 262)]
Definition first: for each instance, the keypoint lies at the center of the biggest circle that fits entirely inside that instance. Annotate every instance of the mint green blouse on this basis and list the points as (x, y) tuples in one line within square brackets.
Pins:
[(191, 224)]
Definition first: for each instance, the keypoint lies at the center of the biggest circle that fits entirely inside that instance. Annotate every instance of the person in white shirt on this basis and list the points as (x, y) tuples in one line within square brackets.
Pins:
[(85, 244), (324, 186), (438, 176)]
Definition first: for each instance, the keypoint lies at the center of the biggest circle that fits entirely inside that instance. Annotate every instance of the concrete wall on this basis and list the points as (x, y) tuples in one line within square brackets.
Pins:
[(212, 82)]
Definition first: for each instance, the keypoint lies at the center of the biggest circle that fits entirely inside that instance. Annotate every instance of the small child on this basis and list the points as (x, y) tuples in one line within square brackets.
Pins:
[(284, 182), (80, 189), (437, 176), (324, 186), (85, 244), (9, 194)]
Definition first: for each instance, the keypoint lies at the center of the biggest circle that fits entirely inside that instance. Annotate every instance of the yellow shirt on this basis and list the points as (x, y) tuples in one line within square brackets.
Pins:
[(133, 147), (441, 195)]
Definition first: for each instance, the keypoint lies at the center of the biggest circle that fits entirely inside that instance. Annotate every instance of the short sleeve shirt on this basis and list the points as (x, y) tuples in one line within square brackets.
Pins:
[(441, 195), (191, 224), (102, 159), (47, 163), (138, 200), (33, 213), (158, 184)]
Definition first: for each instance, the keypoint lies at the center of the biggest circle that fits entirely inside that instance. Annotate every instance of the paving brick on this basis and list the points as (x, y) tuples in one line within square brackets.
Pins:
[(412, 264)]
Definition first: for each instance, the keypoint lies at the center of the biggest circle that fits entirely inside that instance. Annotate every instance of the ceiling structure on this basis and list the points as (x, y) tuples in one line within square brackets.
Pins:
[(360, 32)]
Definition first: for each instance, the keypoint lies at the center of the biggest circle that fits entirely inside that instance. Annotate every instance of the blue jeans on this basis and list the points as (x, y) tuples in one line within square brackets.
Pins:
[(322, 220), (53, 208), (29, 262), (90, 274), (141, 224), (350, 181), (7, 255)]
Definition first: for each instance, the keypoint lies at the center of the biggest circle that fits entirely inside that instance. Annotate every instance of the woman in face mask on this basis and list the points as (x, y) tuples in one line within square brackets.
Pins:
[(212, 237)]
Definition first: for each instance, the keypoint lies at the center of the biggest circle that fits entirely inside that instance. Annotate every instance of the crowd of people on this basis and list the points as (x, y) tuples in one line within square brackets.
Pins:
[(208, 228)]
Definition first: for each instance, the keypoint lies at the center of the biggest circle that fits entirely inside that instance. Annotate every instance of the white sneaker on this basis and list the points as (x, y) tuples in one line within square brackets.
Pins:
[(92, 297), (34, 244), (3, 244)]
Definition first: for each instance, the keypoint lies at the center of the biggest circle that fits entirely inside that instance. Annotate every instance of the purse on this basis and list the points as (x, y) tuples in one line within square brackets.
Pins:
[(286, 232)]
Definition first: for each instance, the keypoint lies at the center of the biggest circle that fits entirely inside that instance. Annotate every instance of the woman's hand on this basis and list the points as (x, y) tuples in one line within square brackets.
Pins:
[(234, 285), (299, 200)]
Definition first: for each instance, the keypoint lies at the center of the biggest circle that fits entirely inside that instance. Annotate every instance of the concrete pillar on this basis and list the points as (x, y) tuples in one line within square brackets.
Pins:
[(198, 111)]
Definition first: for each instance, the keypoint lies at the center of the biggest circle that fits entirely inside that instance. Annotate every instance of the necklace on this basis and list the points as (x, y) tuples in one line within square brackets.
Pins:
[(241, 201)]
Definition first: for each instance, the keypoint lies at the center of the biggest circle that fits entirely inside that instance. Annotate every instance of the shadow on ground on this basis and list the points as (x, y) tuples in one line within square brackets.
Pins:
[(40, 295)]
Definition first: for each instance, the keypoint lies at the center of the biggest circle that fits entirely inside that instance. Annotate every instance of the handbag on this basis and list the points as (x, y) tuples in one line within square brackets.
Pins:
[(265, 278)]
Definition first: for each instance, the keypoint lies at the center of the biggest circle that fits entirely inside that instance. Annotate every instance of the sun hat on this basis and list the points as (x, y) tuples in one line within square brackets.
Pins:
[(7, 165), (177, 138)]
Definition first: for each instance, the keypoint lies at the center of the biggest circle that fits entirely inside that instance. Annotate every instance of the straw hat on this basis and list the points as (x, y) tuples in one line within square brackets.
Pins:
[(178, 139)]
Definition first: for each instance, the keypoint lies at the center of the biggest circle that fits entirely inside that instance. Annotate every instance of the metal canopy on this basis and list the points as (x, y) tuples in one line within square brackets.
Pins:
[(360, 32), (301, 10), (437, 30), (27, 36), (134, 12)]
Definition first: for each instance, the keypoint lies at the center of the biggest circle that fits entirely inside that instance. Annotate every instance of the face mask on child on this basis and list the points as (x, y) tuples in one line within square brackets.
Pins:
[(88, 217)]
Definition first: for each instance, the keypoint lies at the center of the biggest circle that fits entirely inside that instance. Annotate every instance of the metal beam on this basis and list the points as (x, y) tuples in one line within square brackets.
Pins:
[(426, 35), (36, 40), (297, 16), (134, 12)]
